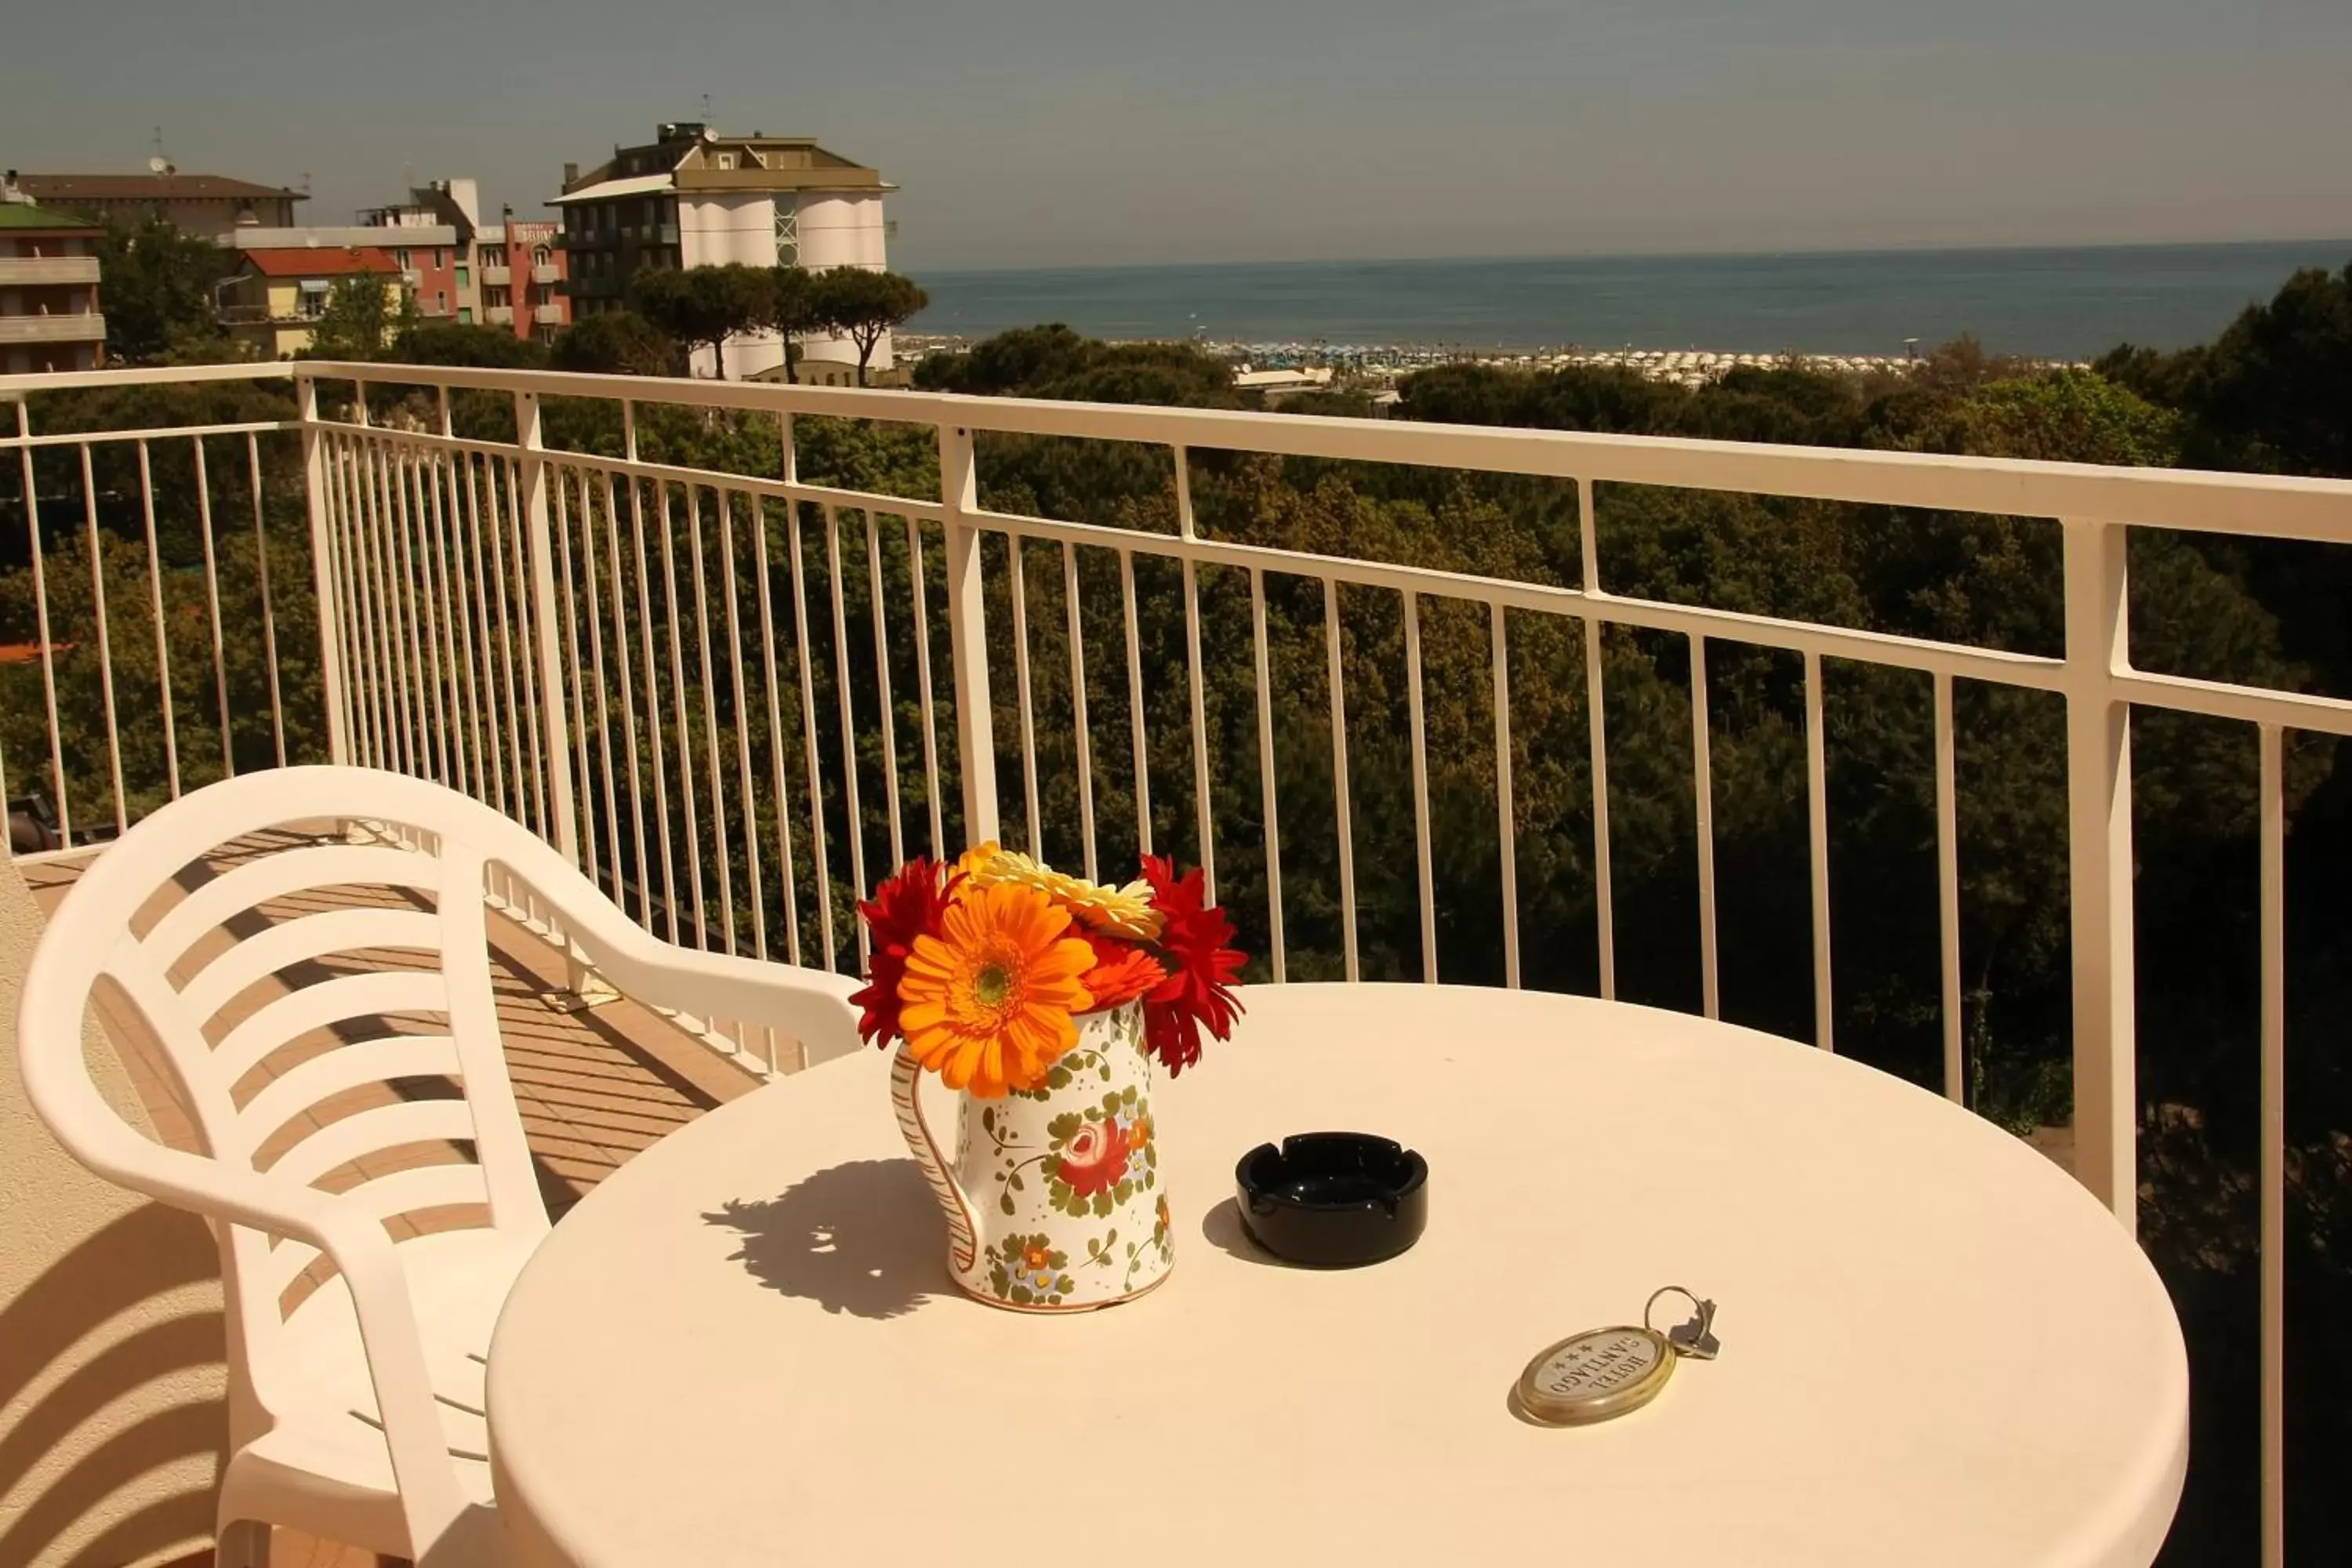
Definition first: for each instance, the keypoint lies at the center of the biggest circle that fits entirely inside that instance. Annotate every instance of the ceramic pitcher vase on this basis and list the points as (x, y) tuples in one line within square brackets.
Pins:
[(1053, 1199)]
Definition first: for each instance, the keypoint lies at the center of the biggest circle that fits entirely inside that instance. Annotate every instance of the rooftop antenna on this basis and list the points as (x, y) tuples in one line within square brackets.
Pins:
[(706, 108)]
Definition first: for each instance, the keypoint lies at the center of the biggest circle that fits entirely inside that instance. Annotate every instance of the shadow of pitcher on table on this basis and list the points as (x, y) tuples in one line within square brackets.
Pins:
[(864, 1238)]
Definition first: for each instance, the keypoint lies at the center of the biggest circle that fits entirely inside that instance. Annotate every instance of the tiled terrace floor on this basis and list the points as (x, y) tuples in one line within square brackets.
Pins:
[(594, 1087)]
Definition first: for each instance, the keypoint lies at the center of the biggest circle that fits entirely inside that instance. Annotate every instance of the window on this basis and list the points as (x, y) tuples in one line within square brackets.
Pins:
[(401, 260), (440, 301), (788, 233), (538, 256), (726, 160), (465, 278), (440, 259)]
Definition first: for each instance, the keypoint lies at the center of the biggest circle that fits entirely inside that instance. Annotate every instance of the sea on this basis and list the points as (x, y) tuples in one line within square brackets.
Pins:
[(2063, 303)]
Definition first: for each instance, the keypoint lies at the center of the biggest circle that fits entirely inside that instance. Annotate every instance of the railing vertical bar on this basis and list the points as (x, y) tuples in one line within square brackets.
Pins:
[(212, 606), (921, 593), (855, 814), (387, 605), (1948, 889), (1703, 816), (2272, 1161), (1421, 789), (374, 658), (625, 678), (439, 508), (478, 551), (660, 770), (710, 718), (498, 565), (537, 669), (162, 637), (105, 640), (889, 718), (1266, 789), (603, 689), (1020, 590), (679, 716), (1182, 458), (423, 640), (41, 627), (358, 664), (2099, 865), (1203, 819), (965, 569), (560, 481), (789, 879), (808, 737), (1604, 901), (329, 600), (742, 723), (1817, 816), (1342, 804), (1078, 726), (1135, 706), (269, 610), (1506, 824)]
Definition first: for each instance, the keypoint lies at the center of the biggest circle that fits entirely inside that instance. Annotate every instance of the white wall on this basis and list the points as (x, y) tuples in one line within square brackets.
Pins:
[(836, 229), (111, 1342)]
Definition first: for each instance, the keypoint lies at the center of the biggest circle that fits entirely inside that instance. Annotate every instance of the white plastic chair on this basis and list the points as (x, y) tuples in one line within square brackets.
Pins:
[(357, 1414)]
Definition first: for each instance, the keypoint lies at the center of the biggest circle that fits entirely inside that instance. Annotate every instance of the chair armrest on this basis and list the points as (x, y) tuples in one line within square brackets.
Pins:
[(811, 1006)]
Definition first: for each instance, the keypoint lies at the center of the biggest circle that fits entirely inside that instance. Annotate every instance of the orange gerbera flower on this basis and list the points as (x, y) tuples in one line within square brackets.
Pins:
[(987, 1003)]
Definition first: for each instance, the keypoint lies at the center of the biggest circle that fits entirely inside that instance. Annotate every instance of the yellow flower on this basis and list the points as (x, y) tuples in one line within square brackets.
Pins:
[(987, 1003), (1114, 911)]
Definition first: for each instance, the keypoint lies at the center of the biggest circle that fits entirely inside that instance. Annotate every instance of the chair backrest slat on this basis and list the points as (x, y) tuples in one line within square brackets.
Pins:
[(363, 1132), (368, 994), (304, 941), (354, 1066), (276, 875)]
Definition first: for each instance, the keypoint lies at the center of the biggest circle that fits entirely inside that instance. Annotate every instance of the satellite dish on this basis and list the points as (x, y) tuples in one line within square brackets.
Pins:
[(156, 165)]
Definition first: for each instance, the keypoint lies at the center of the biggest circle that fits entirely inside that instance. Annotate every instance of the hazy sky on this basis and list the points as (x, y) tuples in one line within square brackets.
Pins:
[(1028, 132)]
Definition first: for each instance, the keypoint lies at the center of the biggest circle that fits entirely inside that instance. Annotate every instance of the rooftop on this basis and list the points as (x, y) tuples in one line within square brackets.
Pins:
[(167, 186), (25, 215), (320, 261)]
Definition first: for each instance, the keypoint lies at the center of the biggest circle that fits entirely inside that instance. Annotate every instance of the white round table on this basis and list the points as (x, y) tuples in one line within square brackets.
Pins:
[(744, 1347)]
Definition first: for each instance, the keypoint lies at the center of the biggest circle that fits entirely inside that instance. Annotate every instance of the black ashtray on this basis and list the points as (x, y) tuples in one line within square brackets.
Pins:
[(1333, 1200)]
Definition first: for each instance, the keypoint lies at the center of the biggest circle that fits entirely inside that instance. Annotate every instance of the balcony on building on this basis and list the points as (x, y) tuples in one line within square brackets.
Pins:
[(415, 547), (548, 315), (31, 270), (545, 272), (498, 315), (63, 327), (496, 275)]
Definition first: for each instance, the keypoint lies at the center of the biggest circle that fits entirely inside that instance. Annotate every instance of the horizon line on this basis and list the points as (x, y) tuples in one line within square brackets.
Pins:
[(1773, 254)]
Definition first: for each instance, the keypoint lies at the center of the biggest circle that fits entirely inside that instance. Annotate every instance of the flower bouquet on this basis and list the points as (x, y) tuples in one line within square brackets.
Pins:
[(1044, 999)]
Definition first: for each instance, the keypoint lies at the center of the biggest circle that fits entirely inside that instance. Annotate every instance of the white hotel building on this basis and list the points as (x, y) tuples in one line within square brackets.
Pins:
[(698, 197)]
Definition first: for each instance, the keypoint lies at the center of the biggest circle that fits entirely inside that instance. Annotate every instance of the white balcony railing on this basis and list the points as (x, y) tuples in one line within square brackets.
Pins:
[(31, 270), (62, 327), (481, 610), (497, 276), (498, 315), (545, 272), (548, 315)]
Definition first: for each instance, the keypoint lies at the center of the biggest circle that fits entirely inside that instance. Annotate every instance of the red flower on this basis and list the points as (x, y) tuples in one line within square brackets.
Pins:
[(906, 906), (1093, 1158), (1199, 992), (1122, 972)]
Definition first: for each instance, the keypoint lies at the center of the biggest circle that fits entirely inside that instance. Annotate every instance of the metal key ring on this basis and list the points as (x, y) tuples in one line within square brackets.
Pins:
[(1651, 1305)]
